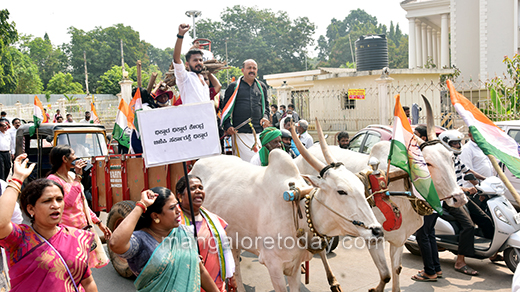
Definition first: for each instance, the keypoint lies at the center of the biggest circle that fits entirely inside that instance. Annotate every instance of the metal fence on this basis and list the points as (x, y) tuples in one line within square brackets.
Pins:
[(341, 113)]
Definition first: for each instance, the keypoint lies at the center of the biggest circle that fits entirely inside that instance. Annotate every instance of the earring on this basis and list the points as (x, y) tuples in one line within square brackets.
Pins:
[(157, 220)]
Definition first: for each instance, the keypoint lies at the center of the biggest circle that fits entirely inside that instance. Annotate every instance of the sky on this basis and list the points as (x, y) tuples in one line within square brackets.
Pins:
[(158, 21)]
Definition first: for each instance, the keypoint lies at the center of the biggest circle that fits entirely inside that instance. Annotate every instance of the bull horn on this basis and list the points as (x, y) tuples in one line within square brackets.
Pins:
[(323, 144), (430, 124), (313, 161)]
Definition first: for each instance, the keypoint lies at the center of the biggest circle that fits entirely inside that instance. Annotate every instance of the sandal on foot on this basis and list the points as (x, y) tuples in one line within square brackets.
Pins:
[(496, 258), (467, 270), (422, 278), (439, 274)]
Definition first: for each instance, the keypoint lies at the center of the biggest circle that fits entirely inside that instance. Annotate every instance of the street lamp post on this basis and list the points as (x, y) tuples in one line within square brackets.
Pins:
[(194, 14)]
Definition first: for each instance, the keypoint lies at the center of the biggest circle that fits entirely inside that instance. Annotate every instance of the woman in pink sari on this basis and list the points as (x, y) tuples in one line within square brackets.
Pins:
[(212, 238), (61, 158), (46, 255)]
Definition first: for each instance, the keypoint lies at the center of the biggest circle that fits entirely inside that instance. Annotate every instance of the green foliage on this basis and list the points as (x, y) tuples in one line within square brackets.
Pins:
[(62, 83), (26, 74), (334, 49), (72, 105), (109, 81), (103, 50), (231, 72), (273, 40), (505, 99), (8, 36), (48, 59)]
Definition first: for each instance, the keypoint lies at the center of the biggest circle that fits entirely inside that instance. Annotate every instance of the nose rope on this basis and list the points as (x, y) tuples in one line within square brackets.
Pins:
[(308, 198)]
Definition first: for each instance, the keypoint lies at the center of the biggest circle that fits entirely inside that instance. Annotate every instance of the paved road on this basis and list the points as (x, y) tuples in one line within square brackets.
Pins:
[(355, 271)]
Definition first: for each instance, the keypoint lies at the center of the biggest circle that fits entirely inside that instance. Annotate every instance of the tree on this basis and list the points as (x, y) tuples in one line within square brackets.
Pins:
[(26, 74), (231, 72), (334, 49), (273, 40), (109, 82), (62, 83), (8, 36), (49, 59), (103, 50)]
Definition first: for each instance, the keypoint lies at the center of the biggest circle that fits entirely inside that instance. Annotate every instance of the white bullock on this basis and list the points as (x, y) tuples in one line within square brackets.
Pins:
[(250, 199), (440, 165)]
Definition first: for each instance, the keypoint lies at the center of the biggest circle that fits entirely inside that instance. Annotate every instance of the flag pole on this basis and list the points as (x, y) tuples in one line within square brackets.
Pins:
[(191, 204), (387, 172), (503, 177)]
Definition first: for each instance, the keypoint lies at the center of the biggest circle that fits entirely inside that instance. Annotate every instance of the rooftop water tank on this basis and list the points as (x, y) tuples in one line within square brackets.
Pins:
[(371, 52)]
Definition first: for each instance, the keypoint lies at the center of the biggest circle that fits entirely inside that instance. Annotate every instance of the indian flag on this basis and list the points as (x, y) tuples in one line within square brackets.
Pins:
[(136, 104), (405, 154), (94, 116), (490, 138), (122, 132), (39, 115)]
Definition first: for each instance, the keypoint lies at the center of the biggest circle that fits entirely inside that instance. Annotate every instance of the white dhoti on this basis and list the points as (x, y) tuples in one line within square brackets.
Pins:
[(244, 145)]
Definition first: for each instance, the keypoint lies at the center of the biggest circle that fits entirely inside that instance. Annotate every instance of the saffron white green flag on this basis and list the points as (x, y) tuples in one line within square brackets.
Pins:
[(122, 131), (490, 138), (136, 104), (94, 118), (405, 154), (39, 115)]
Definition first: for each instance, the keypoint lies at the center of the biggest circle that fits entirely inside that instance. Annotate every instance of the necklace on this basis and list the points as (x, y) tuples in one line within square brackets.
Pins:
[(60, 176), (153, 233)]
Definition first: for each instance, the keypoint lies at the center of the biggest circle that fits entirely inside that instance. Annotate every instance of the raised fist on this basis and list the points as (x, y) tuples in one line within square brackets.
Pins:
[(183, 28)]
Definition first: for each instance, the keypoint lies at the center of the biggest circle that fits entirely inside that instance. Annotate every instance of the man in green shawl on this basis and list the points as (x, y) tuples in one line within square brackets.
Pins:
[(271, 138)]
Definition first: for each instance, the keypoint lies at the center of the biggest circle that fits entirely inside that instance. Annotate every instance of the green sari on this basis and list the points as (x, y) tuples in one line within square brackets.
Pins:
[(173, 266)]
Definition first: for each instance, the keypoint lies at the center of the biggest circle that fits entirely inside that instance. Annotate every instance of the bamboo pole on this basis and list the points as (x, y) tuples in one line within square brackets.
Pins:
[(503, 177), (151, 82)]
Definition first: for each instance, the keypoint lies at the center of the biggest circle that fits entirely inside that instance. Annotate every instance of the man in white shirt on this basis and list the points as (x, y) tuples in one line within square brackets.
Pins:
[(5, 150), (473, 157), (86, 120), (304, 136), (191, 83), (69, 119), (12, 132)]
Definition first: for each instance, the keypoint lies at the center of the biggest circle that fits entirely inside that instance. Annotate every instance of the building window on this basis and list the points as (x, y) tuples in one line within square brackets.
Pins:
[(347, 103)]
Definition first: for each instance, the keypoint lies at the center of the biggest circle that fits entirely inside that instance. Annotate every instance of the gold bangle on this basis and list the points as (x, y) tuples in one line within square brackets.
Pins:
[(79, 175), (14, 187)]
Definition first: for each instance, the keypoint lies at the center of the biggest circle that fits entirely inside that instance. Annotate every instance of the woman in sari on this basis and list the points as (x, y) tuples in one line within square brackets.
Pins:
[(46, 255), (61, 158), (162, 254), (212, 238)]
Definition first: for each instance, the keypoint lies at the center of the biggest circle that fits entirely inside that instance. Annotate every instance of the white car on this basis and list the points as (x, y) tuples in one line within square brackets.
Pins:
[(512, 128)]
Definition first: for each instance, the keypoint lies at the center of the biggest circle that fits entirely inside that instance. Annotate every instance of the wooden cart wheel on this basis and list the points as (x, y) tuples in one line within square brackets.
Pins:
[(117, 214)]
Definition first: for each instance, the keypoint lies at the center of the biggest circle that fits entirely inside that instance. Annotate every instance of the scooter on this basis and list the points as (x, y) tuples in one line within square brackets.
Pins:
[(506, 222)]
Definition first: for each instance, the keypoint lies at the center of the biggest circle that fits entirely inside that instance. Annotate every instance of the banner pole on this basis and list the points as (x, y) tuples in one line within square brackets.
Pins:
[(191, 204), (503, 177)]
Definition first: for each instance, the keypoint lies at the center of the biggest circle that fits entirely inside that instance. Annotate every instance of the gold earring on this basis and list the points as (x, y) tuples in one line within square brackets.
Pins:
[(157, 220)]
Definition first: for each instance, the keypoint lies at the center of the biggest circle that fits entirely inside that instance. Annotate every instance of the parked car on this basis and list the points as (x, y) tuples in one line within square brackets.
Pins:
[(512, 128), (366, 138)]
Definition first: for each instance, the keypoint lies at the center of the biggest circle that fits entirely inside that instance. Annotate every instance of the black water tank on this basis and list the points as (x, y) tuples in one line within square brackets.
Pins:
[(371, 52)]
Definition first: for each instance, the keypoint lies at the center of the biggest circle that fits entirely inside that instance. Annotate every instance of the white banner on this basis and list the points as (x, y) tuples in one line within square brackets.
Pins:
[(178, 133)]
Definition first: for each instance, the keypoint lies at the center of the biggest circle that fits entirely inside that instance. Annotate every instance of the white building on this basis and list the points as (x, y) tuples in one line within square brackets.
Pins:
[(473, 35)]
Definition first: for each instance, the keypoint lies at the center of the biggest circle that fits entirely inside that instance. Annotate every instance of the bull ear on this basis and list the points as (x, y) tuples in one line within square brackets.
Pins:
[(312, 180)]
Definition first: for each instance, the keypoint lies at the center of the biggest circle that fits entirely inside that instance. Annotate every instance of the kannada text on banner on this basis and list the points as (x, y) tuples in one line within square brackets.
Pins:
[(178, 133)]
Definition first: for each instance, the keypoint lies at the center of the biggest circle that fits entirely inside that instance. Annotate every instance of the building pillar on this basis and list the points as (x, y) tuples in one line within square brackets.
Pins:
[(385, 109), (18, 106), (412, 59), (424, 37), (418, 44), (434, 47), (445, 42), (438, 49), (430, 43)]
